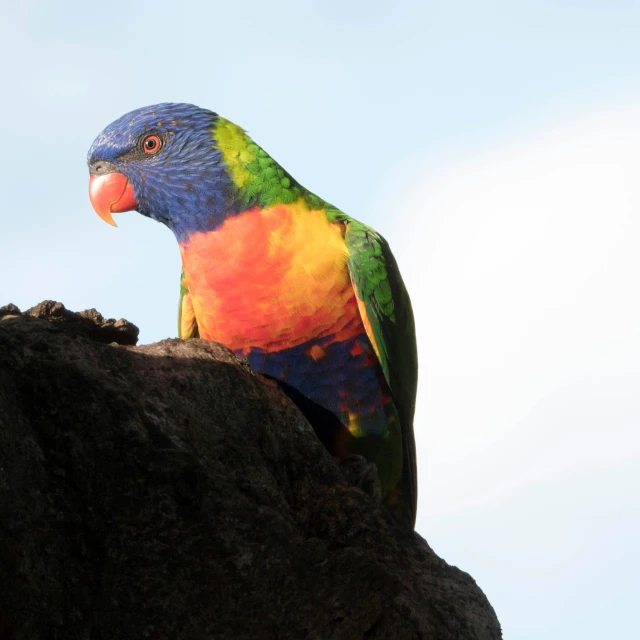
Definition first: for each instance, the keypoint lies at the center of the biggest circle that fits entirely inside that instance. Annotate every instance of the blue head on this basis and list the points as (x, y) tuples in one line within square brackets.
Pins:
[(162, 161)]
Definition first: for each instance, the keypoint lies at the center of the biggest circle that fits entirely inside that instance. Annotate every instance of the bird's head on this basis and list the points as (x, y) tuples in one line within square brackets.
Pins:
[(164, 162)]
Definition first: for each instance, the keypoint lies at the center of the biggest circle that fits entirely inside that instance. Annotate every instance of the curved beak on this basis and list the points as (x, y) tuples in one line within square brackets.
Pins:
[(111, 193)]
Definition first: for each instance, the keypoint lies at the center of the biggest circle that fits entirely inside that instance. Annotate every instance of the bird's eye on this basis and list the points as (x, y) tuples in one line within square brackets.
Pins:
[(151, 144)]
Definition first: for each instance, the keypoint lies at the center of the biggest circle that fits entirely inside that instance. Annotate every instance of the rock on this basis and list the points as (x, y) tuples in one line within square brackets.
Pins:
[(89, 323), (9, 310), (167, 491)]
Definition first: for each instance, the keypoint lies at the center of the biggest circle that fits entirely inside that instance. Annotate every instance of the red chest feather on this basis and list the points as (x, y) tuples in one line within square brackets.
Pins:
[(272, 279)]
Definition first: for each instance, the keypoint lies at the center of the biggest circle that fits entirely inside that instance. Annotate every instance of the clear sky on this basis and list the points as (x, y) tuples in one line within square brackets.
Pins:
[(495, 144)]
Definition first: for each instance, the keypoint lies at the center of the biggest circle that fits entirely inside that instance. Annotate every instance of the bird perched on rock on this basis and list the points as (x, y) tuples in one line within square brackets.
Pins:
[(308, 295)]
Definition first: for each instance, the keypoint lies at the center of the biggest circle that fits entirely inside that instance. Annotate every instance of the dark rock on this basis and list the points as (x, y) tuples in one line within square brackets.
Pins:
[(9, 310), (89, 323), (166, 491)]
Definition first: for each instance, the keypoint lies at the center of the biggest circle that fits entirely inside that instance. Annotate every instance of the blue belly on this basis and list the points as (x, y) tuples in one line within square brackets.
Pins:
[(347, 379)]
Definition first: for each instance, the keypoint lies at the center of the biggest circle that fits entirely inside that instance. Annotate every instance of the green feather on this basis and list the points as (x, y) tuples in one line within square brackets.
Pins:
[(187, 324), (377, 280)]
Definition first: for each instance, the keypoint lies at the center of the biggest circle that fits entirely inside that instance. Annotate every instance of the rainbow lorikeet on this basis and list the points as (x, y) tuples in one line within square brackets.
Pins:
[(308, 295)]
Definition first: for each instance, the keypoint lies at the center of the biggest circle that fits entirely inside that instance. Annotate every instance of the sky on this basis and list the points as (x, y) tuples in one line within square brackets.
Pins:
[(494, 144)]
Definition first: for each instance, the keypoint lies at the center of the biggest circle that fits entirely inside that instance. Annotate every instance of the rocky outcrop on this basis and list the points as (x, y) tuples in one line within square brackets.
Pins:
[(167, 491)]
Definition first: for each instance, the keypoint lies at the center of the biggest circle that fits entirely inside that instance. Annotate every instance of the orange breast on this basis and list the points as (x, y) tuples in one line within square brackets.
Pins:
[(272, 279)]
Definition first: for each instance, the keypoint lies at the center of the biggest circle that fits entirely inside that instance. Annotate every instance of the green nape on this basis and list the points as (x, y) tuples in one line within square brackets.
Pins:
[(260, 180)]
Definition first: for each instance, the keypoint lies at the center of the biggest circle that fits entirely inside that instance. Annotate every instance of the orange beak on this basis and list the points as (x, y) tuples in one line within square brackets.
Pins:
[(111, 193)]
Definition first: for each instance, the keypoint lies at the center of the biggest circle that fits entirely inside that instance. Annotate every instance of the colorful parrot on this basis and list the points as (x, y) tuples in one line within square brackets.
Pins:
[(309, 296)]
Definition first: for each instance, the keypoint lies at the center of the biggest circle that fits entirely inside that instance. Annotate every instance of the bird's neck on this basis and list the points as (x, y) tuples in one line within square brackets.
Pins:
[(242, 178), (258, 181)]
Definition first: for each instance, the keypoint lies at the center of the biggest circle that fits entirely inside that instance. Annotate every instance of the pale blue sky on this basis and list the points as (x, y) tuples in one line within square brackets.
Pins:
[(495, 144)]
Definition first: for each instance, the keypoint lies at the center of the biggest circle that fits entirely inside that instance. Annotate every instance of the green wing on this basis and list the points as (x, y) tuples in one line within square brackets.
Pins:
[(187, 323), (379, 286)]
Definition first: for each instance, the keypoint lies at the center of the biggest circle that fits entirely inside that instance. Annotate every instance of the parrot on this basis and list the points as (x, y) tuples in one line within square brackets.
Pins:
[(310, 297)]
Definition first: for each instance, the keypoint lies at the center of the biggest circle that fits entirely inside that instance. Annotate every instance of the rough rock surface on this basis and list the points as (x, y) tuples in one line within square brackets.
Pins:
[(166, 491)]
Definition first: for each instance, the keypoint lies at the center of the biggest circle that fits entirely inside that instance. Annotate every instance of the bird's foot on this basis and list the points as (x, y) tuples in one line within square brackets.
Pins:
[(362, 474)]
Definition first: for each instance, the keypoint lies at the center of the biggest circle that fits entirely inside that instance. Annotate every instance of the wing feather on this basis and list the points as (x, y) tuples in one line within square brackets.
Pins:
[(387, 315), (187, 323)]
